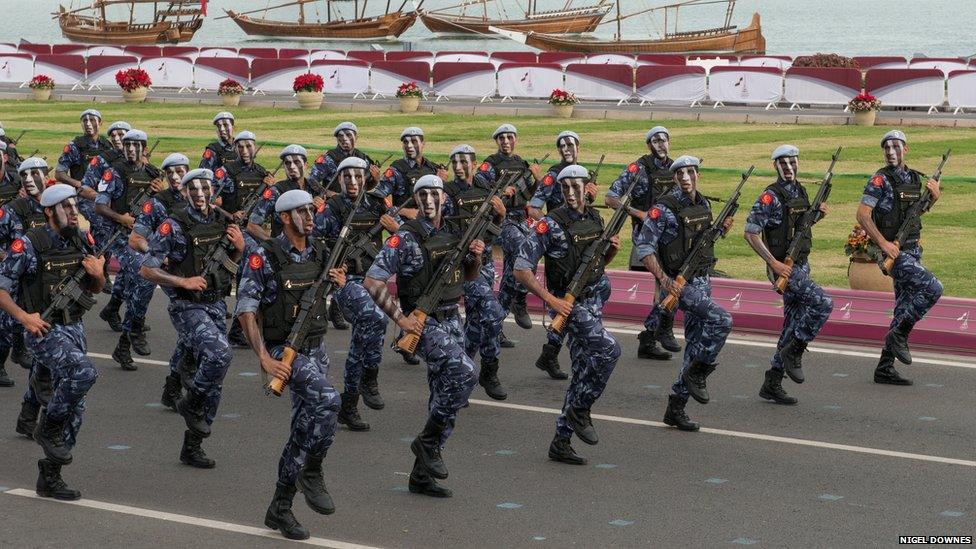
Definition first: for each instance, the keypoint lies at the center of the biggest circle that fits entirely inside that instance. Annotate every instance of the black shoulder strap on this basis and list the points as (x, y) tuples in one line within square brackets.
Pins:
[(401, 165), (40, 239), (561, 215), (670, 202), (414, 226), (275, 253), (21, 207)]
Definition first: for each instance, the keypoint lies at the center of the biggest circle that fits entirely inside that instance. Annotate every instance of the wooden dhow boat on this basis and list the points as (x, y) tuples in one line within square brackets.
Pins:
[(568, 20), (390, 24), (173, 22), (725, 39)]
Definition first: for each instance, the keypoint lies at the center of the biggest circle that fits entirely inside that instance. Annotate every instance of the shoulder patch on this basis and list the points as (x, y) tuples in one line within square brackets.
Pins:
[(67, 148), (220, 173), (766, 198), (207, 153), (321, 208), (655, 213), (393, 241), (388, 201), (147, 207), (3, 212), (877, 181), (484, 166), (389, 173), (320, 159), (267, 194), (107, 176), (91, 239), (165, 228), (632, 168), (541, 227), (548, 180), (255, 262), (94, 161), (17, 246)]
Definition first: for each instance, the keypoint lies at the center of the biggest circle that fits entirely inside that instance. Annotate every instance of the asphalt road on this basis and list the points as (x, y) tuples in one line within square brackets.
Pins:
[(854, 464)]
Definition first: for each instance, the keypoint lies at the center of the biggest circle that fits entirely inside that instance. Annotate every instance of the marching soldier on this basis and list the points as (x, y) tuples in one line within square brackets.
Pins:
[(770, 229), (38, 263), (121, 185), (80, 151), (562, 236), (219, 152), (326, 165), (654, 181), (10, 149), (175, 261), (411, 255), (274, 279), (368, 321), (483, 315), (666, 237), (9, 178), (887, 197)]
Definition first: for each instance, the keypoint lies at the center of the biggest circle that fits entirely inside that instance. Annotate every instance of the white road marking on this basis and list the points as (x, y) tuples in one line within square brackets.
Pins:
[(741, 434), (187, 519), (134, 359)]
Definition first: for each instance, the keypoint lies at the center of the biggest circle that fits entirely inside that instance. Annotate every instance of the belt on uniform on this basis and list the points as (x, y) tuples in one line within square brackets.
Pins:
[(309, 345), (442, 315)]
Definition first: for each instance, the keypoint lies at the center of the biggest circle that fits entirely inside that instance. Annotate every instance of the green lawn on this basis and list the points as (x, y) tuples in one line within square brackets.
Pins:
[(727, 150)]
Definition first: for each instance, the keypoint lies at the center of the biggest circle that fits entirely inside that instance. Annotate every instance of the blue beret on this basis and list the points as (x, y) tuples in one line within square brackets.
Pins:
[(345, 126), (412, 130), (223, 115), (567, 133), (462, 149), (428, 182), (199, 173), (785, 150), (92, 112), (573, 170), (175, 159), (120, 125), (684, 162), (654, 130), (292, 199), (352, 162), (894, 134), (56, 194), (293, 149), (504, 128), (245, 136), (135, 135), (31, 163)]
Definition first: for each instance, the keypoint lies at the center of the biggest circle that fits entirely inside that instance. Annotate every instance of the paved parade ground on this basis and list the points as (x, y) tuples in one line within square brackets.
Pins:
[(853, 464)]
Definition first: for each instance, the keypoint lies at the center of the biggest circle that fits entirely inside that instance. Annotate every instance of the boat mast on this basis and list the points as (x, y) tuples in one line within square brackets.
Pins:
[(301, 13), (619, 36), (101, 4)]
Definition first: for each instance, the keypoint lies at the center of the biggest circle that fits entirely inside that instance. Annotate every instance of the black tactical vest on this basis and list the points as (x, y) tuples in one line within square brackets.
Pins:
[(28, 214), (580, 233), (10, 184), (88, 151), (200, 239), (292, 280), (435, 248), (338, 155), (170, 198), (468, 201), (134, 180), (13, 157), (660, 181), (284, 186), (693, 220), (905, 196), (247, 179), (778, 239), (411, 175), (362, 221), (222, 154), (54, 265), (505, 167)]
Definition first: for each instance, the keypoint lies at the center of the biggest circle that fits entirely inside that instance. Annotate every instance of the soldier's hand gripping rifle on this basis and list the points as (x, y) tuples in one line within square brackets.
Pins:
[(313, 296), (593, 255), (812, 216), (913, 215), (449, 269), (593, 177), (519, 183), (69, 290), (705, 240), (362, 246)]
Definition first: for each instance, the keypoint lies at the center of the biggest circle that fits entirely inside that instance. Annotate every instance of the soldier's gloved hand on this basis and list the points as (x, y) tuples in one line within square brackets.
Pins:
[(128, 221), (338, 276), (276, 368), (156, 185), (35, 325), (411, 325), (93, 265), (236, 237), (389, 223), (194, 284)]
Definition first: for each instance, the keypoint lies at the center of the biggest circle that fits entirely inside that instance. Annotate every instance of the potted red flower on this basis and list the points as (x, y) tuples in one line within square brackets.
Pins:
[(230, 92), (409, 94), (562, 102), (42, 86), (308, 89), (134, 83), (865, 108)]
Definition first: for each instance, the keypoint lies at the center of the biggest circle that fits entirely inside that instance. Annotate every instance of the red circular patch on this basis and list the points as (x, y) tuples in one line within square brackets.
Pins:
[(393, 241), (547, 180), (484, 167), (147, 207), (165, 228), (3, 212), (320, 159), (389, 173), (107, 176), (17, 246), (877, 181), (388, 201), (321, 208), (266, 194), (91, 239), (655, 213), (542, 227), (207, 153), (220, 173), (255, 262), (766, 198), (67, 148), (632, 168), (94, 161)]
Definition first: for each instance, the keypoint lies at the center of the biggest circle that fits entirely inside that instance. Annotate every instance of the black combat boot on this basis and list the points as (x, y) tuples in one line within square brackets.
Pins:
[(279, 515), (408, 357), (192, 454), (40, 381), (488, 378), (50, 484), (648, 347), (772, 388), (110, 314), (235, 336), (695, 377), (312, 484), (421, 482), (886, 373), (122, 353), (579, 420), (560, 450), (349, 413), (190, 406), (504, 342), (172, 391), (427, 448), (5, 380), (675, 415), (19, 352), (520, 311), (50, 436), (897, 341), (665, 333), (335, 316), (548, 361), (791, 356), (27, 419), (137, 336), (370, 389)]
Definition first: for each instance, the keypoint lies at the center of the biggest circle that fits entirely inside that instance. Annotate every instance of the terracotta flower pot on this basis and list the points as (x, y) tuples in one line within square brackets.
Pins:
[(137, 95), (230, 100), (42, 94), (310, 100), (409, 104), (563, 111), (865, 274), (865, 118)]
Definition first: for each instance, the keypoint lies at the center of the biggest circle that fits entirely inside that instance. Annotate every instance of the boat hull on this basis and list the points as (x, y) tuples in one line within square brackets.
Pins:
[(556, 24), (78, 28), (391, 24)]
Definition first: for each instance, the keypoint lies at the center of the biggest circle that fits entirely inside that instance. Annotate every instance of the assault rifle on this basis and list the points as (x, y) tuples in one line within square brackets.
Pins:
[(519, 182), (913, 215), (69, 290), (448, 272), (312, 297), (19, 137), (593, 255), (705, 240), (362, 247), (593, 178), (812, 216)]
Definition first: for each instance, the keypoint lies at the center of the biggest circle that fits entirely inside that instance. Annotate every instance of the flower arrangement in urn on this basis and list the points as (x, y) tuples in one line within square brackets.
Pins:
[(134, 83), (865, 107), (230, 91), (42, 86), (863, 273), (308, 88), (562, 102), (409, 94), (857, 243)]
